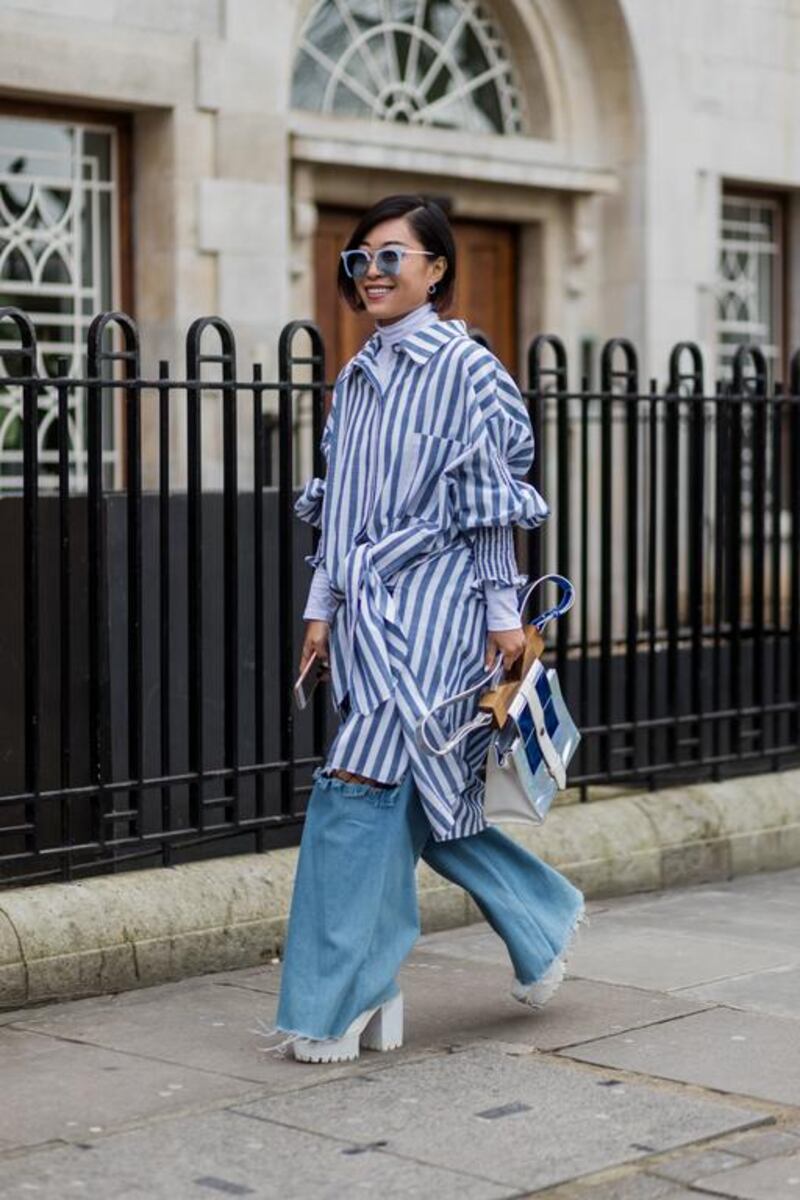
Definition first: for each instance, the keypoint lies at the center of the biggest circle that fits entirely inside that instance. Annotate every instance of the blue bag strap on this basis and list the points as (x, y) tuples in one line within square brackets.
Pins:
[(564, 604), (495, 674)]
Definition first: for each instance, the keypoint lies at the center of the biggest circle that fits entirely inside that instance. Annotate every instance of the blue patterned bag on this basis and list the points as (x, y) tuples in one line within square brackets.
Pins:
[(528, 756)]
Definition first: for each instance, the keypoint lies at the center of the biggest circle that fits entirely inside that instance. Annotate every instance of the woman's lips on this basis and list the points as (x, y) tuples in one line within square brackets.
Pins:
[(377, 293)]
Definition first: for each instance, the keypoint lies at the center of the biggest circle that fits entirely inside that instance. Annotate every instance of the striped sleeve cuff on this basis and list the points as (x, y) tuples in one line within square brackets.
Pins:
[(495, 557)]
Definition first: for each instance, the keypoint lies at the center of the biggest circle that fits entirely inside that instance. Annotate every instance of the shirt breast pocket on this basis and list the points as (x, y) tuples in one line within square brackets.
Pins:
[(420, 485)]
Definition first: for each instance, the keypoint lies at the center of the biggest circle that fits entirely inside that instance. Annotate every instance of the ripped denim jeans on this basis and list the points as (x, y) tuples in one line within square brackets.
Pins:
[(354, 914)]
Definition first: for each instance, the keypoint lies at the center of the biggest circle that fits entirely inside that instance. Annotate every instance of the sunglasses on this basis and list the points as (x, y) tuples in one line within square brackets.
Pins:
[(387, 260)]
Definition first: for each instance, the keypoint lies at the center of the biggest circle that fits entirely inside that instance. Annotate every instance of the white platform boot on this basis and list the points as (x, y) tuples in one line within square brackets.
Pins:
[(537, 994), (378, 1028)]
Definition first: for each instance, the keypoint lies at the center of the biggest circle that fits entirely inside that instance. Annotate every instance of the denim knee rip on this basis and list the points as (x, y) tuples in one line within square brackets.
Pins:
[(379, 797)]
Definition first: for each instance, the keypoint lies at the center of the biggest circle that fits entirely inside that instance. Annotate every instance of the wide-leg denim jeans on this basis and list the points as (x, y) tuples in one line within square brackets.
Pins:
[(354, 914)]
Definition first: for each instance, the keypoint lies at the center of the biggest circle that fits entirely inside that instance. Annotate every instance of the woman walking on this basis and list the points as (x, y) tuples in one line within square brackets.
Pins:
[(413, 597)]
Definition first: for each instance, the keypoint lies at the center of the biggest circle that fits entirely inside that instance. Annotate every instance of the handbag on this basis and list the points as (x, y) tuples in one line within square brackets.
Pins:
[(534, 735)]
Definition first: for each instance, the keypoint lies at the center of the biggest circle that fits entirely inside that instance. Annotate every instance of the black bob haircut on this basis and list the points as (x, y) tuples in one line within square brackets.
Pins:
[(428, 220)]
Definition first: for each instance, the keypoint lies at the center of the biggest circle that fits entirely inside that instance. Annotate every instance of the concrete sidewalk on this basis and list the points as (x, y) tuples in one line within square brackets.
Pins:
[(667, 1066)]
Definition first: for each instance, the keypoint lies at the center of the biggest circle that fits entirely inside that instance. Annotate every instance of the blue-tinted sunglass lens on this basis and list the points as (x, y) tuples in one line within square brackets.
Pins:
[(388, 262), (356, 263)]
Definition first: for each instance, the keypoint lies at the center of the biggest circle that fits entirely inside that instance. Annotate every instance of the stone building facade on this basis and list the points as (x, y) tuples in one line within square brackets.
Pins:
[(613, 167)]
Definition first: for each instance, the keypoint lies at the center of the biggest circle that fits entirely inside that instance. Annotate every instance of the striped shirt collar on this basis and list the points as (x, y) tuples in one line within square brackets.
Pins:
[(419, 346)]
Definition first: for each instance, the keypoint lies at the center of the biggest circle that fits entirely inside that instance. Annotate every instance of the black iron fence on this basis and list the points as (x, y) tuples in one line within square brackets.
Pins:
[(678, 515), (149, 637)]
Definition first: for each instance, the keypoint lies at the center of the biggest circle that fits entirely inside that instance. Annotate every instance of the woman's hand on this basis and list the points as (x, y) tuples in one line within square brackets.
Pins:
[(315, 641), (509, 642)]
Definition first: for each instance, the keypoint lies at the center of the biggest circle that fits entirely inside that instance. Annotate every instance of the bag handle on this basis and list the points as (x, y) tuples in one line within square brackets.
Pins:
[(564, 604), (482, 719)]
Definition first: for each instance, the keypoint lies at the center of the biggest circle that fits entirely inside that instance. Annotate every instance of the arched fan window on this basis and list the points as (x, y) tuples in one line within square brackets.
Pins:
[(436, 63)]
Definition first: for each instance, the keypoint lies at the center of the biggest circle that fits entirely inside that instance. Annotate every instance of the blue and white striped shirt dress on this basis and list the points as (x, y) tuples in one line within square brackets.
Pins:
[(424, 484)]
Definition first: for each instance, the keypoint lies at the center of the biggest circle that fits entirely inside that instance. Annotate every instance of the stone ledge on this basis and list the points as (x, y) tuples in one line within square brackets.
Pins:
[(113, 933)]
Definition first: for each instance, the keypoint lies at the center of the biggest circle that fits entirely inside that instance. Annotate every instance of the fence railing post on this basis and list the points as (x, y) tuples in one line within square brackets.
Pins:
[(98, 359), (195, 361), (288, 386), (794, 548), (25, 357), (539, 377), (628, 375), (694, 517)]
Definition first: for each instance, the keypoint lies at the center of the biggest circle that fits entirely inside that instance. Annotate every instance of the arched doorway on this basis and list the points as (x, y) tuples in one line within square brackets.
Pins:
[(500, 105), (437, 68)]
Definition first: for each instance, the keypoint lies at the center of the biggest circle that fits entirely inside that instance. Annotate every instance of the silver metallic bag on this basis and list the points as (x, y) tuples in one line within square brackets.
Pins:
[(535, 737)]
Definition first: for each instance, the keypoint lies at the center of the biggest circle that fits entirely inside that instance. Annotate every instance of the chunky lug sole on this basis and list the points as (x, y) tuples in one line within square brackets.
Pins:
[(378, 1028), (537, 994)]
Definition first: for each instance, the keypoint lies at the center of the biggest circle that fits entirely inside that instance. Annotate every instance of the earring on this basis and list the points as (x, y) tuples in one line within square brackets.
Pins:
[(431, 288)]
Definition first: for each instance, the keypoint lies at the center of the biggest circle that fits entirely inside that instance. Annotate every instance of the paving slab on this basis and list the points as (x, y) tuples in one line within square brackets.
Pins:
[(210, 1024), (771, 1179), (720, 915), (631, 1187), (259, 979), (65, 1090), (504, 1115), (476, 943), (221, 1154), (453, 1000), (768, 886), (740, 1052), (766, 1143), (775, 991), (651, 958), (685, 1168), (764, 900), (206, 1027), (763, 885), (666, 959), (163, 1072)]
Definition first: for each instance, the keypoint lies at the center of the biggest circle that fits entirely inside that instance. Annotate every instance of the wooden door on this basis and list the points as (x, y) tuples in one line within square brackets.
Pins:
[(485, 295)]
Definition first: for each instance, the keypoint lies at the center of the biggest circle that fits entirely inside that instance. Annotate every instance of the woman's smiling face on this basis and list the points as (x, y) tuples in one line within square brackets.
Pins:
[(389, 297)]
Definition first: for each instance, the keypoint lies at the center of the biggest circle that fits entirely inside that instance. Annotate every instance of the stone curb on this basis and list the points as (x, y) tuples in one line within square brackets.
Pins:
[(113, 933)]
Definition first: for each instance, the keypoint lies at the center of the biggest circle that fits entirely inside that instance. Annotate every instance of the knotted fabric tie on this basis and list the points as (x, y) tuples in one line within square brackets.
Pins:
[(371, 626)]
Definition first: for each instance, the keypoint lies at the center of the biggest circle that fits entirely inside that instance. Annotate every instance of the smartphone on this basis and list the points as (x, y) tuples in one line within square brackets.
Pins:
[(314, 671)]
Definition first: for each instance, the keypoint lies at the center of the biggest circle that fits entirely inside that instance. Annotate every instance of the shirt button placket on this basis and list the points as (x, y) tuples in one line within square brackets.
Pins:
[(363, 534)]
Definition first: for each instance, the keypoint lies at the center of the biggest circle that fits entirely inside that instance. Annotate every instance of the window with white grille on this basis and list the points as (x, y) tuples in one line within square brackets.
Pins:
[(59, 259), (750, 279)]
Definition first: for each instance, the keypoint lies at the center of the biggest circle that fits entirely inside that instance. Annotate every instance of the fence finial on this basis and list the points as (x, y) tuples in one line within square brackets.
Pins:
[(629, 373), (695, 376), (756, 355), (26, 351), (536, 371), (96, 356)]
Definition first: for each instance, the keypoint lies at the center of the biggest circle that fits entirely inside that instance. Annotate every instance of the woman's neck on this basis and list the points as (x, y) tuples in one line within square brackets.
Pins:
[(392, 331)]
